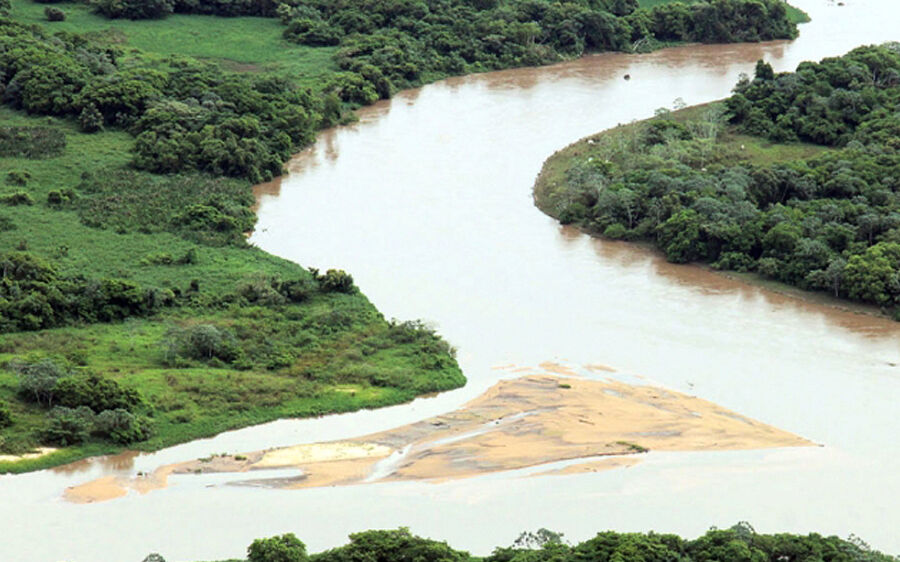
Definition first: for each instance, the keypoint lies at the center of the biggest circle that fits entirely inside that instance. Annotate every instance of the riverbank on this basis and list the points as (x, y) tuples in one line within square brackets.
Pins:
[(530, 421), (554, 192)]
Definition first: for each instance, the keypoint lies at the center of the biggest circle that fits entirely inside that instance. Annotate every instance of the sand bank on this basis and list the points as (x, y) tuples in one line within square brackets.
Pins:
[(518, 423)]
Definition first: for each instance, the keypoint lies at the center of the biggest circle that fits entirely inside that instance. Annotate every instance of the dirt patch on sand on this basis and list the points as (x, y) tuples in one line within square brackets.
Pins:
[(518, 423)]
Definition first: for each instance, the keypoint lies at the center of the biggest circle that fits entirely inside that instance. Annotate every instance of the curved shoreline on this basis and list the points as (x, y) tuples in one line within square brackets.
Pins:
[(542, 189)]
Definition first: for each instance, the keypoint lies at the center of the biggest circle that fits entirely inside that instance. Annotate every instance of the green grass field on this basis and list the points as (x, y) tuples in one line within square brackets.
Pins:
[(240, 43)]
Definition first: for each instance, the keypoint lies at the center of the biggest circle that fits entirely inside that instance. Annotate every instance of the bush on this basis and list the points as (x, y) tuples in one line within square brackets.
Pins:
[(16, 198), (134, 9), (90, 119), (95, 391), (5, 416), (59, 198), (735, 261), (37, 379), (68, 426), (18, 177), (334, 280), (615, 231), (122, 426), (203, 342), (54, 14), (211, 211)]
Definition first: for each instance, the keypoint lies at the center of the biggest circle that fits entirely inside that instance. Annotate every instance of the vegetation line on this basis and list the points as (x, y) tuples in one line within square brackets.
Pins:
[(794, 178), (740, 543)]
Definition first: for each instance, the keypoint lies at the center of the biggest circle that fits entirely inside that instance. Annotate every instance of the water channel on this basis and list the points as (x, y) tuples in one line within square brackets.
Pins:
[(427, 202)]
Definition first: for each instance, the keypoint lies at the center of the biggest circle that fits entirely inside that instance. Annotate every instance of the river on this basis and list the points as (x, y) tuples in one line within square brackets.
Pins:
[(427, 202)]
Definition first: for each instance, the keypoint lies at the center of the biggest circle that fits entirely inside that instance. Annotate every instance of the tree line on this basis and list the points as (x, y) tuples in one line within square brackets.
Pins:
[(385, 46), (188, 115), (830, 222), (740, 543)]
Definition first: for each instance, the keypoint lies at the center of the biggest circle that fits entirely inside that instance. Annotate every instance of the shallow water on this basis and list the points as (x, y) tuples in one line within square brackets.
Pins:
[(427, 202)]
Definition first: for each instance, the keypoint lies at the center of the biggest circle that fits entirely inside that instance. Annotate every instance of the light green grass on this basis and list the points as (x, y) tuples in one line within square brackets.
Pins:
[(240, 43)]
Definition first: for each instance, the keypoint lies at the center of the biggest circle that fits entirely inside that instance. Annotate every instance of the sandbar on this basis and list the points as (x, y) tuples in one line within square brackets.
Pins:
[(518, 423)]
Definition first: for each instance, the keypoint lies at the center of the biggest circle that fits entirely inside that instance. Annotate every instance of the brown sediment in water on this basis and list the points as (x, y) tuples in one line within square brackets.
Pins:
[(517, 423)]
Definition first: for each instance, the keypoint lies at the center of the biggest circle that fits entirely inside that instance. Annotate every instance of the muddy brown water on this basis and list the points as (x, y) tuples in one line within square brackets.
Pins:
[(427, 202)]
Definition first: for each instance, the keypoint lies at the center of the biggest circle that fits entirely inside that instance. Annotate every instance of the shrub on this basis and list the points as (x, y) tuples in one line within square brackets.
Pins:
[(59, 198), (121, 426), (134, 9), (334, 280), (189, 258), (16, 198), (54, 14), (615, 231), (5, 416), (68, 426), (37, 379), (95, 391), (90, 119), (18, 177), (735, 261), (212, 211), (203, 342), (261, 290)]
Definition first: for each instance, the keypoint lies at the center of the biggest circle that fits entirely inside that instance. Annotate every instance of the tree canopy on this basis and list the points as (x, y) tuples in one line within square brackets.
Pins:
[(827, 222)]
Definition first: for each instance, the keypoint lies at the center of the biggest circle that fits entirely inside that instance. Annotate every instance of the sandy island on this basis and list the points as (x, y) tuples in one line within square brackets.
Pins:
[(518, 423)]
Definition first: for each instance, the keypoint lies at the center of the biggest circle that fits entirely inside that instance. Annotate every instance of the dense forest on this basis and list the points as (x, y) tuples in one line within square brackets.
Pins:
[(739, 543), (187, 115), (794, 177)]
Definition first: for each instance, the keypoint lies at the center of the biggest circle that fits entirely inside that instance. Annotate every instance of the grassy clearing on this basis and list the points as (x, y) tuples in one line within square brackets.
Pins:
[(240, 43)]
